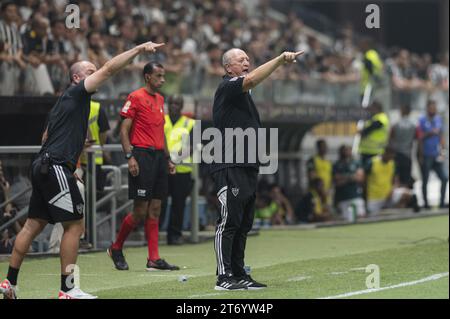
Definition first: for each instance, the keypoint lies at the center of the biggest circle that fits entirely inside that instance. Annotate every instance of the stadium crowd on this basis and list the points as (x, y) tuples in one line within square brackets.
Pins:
[(36, 47)]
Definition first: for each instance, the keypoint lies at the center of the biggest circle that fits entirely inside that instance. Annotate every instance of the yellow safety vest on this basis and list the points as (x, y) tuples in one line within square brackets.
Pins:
[(324, 171), (375, 142), (94, 133), (174, 134), (318, 209), (379, 181), (377, 64)]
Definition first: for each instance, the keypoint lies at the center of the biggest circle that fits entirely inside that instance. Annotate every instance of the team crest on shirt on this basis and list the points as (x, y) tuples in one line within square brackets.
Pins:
[(126, 107), (80, 208), (235, 191)]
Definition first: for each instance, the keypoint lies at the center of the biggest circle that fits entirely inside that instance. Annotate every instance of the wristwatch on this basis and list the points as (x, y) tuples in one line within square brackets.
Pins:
[(128, 155)]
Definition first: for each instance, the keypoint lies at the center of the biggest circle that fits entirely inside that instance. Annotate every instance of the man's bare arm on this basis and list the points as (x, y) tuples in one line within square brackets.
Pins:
[(44, 136), (116, 64), (262, 72), (125, 128)]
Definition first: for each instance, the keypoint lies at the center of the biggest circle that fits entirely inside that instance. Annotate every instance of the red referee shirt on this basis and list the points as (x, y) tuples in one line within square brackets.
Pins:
[(147, 113)]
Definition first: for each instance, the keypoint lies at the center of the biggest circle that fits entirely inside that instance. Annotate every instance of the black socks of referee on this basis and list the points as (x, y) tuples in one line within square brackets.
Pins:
[(12, 275)]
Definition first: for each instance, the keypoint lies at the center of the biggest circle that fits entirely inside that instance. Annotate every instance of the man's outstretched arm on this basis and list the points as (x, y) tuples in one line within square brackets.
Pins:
[(262, 72), (95, 80)]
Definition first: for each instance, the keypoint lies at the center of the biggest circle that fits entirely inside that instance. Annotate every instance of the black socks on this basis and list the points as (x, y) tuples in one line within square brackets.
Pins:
[(12, 275)]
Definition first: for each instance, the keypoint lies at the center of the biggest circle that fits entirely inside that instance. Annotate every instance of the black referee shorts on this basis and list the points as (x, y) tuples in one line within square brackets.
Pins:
[(152, 181), (55, 196)]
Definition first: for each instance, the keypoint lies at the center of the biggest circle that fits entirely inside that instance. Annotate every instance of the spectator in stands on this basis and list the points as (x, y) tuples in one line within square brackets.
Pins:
[(403, 134), (4, 186), (313, 206), (97, 22), (58, 56), (266, 212), (431, 150), (36, 54), (7, 236), (27, 8), (384, 189), (348, 176), (375, 134), (438, 73), (11, 53), (403, 75), (285, 212), (320, 167)]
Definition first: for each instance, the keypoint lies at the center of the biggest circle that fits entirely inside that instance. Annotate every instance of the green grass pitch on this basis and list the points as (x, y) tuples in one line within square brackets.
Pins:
[(314, 263)]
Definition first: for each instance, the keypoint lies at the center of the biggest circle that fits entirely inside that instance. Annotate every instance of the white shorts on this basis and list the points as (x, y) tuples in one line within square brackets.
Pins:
[(352, 208), (374, 206)]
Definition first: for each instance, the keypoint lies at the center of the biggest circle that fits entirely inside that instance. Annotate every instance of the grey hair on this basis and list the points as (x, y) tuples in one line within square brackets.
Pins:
[(226, 57)]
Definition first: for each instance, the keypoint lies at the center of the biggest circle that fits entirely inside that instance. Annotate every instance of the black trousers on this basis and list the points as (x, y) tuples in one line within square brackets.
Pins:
[(403, 166), (180, 186), (236, 192)]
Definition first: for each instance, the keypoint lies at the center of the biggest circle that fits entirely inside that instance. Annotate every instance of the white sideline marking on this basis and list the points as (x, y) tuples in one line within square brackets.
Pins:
[(206, 295), (358, 268), (403, 284), (338, 273), (299, 278)]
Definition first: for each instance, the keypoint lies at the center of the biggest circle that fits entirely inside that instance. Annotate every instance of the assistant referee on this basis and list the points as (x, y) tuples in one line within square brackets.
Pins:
[(235, 183)]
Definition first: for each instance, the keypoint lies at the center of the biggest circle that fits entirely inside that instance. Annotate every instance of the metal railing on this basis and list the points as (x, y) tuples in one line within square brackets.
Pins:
[(92, 204)]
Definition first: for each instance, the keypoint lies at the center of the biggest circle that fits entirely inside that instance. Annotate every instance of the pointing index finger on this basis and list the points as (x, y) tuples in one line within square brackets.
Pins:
[(299, 53)]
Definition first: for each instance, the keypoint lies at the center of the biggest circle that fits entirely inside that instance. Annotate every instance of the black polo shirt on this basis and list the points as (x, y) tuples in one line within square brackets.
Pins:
[(67, 126), (234, 108)]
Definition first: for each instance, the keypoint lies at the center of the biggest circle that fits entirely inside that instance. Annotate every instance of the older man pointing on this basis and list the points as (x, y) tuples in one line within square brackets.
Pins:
[(235, 181)]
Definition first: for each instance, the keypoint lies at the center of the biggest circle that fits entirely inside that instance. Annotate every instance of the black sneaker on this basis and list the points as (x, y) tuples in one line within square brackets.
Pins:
[(176, 241), (160, 264), (118, 258), (250, 282), (229, 283)]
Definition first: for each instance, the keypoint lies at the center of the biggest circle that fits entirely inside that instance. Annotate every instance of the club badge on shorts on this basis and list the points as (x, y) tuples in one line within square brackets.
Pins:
[(80, 208), (141, 192), (235, 191)]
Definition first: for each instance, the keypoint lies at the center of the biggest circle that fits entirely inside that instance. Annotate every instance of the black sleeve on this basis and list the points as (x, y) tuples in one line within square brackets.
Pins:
[(103, 122), (78, 91), (233, 87), (375, 125)]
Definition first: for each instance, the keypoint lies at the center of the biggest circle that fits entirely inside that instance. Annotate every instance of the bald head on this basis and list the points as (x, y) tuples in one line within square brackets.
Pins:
[(81, 70), (235, 62)]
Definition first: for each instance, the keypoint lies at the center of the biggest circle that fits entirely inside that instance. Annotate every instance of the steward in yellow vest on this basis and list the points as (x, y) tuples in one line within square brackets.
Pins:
[(97, 129), (180, 184), (174, 136), (319, 167), (375, 135), (383, 187), (380, 177), (372, 69)]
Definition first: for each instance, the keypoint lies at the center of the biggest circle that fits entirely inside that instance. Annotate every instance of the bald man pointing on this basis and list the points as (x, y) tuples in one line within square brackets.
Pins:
[(55, 197), (235, 181)]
